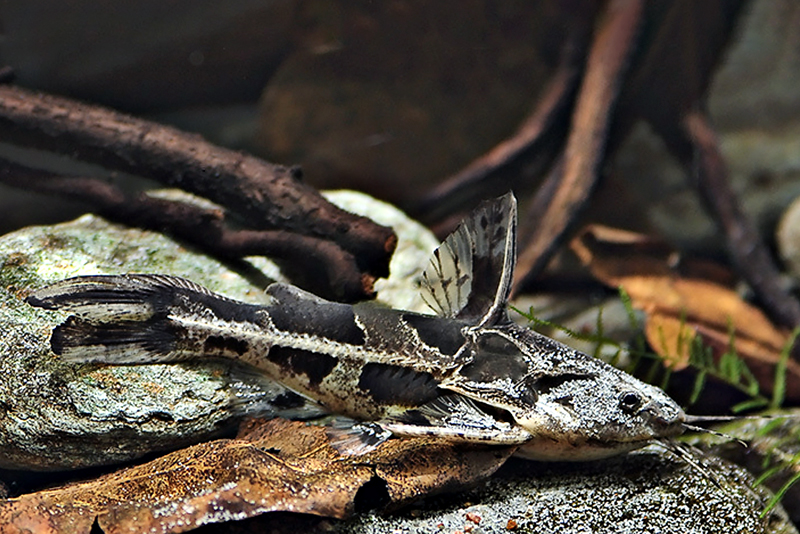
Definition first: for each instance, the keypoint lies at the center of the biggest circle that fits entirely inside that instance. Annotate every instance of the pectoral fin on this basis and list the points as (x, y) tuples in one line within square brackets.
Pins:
[(352, 438), (451, 417), (469, 275), (457, 418)]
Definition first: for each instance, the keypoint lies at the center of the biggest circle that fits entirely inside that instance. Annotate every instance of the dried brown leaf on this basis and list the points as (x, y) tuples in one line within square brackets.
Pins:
[(704, 303), (671, 338), (679, 308), (276, 465)]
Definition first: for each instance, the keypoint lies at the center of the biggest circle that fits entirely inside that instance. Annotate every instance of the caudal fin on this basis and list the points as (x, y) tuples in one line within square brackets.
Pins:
[(148, 341), (138, 318)]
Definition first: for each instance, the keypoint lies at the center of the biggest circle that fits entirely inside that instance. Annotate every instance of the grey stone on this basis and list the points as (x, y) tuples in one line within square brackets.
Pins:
[(646, 491), (56, 415), (787, 238)]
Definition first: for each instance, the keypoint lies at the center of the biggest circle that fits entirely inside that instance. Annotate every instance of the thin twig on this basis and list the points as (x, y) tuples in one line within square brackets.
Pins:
[(753, 261)]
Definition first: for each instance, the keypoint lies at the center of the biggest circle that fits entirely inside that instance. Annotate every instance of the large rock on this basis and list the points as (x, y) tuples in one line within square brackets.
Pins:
[(643, 491), (58, 415)]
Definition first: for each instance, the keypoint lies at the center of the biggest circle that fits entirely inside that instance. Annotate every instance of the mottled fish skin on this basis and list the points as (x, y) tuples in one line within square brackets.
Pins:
[(361, 361), (466, 374)]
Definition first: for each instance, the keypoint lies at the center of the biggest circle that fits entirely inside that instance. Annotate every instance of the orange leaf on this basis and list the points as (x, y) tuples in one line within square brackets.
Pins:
[(680, 307)]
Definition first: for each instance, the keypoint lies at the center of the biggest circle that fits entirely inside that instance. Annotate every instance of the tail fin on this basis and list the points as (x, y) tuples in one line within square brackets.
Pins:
[(149, 341), (138, 318)]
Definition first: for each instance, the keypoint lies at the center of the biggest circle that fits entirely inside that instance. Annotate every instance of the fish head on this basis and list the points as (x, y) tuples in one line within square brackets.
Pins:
[(574, 406), (586, 417)]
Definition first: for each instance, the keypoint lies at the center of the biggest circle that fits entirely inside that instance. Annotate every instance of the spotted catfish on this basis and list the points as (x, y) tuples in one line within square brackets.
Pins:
[(467, 373)]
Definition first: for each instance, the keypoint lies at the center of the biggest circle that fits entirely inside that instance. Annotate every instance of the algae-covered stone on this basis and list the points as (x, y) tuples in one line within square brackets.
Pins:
[(772, 451), (646, 491), (59, 415)]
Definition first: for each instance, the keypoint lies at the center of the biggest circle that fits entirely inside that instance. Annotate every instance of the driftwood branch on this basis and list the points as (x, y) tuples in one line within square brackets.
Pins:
[(569, 188), (327, 269), (258, 195), (701, 155)]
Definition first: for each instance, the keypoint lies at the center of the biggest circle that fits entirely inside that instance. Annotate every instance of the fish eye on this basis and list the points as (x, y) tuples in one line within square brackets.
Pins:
[(630, 402)]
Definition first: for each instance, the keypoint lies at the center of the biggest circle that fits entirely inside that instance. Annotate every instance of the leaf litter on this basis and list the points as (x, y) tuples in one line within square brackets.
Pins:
[(686, 301), (272, 466)]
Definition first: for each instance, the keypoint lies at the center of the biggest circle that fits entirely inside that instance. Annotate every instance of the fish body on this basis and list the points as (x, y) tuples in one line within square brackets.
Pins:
[(466, 374)]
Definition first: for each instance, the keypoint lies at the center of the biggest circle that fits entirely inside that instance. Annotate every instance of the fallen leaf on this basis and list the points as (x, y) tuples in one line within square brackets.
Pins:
[(275, 465), (612, 253), (680, 307)]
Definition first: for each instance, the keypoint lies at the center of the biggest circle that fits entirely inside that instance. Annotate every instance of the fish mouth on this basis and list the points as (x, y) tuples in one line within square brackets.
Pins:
[(665, 428), (663, 423), (691, 455)]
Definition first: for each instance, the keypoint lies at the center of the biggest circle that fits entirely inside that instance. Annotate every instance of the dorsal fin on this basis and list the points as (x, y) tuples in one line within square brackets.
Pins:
[(469, 275)]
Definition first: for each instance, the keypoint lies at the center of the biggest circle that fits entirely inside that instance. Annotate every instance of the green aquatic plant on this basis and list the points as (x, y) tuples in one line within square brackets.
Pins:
[(729, 368)]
